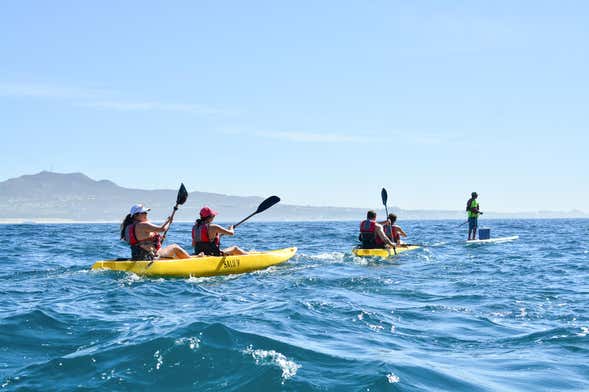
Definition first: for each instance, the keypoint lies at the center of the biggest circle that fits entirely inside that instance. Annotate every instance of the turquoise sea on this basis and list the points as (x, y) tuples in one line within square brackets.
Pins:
[(447, 317)]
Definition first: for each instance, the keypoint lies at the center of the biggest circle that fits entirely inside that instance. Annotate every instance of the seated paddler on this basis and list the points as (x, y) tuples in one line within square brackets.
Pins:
[(393, 231), (206, 236), (144, 239), (372, 234)]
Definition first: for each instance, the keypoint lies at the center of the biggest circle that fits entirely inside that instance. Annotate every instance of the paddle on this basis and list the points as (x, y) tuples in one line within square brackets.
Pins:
[(385, 196), (180, 199), (269, 202)]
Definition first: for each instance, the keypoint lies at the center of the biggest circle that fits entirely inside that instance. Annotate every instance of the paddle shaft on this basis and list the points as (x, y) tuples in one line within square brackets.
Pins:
[(244, 219), (267, 203), (385, 196), (171, 219)]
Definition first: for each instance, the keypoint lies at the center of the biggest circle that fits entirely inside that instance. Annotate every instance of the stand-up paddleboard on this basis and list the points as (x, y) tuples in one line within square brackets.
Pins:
[(384, 253), (492, 240)]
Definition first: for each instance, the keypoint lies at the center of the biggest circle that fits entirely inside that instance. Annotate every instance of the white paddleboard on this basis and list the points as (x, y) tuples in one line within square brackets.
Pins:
[(491, 240)]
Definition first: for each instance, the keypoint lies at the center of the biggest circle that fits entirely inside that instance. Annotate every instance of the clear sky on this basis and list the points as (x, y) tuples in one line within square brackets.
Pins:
[(319, 102)]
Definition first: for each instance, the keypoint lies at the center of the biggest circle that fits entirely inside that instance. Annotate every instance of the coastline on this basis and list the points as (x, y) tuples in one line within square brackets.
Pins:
[(49, 221)]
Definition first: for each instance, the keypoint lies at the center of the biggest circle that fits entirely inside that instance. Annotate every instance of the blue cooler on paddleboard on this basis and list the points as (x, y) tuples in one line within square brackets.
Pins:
[(484, 234)]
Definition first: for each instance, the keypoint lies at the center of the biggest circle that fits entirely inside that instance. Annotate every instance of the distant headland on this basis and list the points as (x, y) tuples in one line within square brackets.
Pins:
[(74, 197)]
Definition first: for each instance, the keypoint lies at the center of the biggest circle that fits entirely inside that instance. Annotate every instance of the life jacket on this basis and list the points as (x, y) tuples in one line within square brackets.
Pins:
[(471, 206), (138, 252), (202, 242), (392, 232), (368, 235)]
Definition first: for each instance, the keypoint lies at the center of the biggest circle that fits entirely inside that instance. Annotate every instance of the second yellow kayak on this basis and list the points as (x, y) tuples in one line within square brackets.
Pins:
[(384, 253), (200, 266)]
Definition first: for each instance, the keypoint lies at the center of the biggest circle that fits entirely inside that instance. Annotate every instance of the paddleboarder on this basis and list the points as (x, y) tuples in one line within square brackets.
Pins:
[(473, 211)]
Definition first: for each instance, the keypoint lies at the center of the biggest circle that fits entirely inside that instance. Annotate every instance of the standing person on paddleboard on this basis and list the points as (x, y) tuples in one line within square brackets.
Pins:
[(372, 234), (473, 210), (392, 231), (144, 239), (206, 236)]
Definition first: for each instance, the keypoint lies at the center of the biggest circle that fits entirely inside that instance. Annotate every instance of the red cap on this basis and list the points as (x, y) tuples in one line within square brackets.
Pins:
[(205, 212)]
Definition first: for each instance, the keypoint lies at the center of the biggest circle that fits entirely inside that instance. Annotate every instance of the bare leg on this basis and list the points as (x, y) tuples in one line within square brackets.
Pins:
[(234, 250), (173, 251)]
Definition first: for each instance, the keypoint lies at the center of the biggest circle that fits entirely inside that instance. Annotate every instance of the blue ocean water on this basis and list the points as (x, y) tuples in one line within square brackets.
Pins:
[(510, 316)]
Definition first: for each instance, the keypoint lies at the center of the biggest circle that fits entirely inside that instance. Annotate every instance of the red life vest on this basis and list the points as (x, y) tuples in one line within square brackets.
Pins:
[(392, 232), (367, 226), (131, 238), (200, 233), (368, 233)]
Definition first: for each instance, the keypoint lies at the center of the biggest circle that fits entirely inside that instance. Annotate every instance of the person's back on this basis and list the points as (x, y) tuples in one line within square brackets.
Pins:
[(371, 233)]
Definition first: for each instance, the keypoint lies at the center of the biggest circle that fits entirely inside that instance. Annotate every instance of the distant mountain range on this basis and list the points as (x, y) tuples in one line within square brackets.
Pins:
[(50, 196)]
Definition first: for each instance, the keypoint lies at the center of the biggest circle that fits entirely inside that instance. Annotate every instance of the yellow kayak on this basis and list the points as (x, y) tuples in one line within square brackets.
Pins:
[(200, 266), (384, 253)]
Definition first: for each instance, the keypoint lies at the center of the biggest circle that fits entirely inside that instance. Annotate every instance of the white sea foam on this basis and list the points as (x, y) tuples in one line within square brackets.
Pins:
[(328, 256), (270, 357), (130, 279), (192, 342), (159, 360), (392, 378)]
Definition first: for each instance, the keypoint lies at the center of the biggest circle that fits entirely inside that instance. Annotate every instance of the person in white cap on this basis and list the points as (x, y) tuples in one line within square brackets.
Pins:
[(144, 239), (206, 236)]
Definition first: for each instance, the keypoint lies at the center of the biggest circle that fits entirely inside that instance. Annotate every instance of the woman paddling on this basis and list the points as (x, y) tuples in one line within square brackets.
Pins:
[(143, 237), (206, 236)]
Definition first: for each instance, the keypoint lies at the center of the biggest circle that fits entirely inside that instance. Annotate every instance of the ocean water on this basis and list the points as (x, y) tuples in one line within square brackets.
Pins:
[(492, 317)]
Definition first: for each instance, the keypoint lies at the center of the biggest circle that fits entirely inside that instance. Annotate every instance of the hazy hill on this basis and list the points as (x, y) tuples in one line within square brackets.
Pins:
[(75, 196)]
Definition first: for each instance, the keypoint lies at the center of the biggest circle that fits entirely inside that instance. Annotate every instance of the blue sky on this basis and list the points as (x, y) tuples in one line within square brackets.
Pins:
[(322, 103)]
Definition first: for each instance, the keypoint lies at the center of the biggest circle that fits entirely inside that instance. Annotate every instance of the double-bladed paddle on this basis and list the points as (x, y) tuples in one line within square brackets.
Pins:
[(385, 197), (269, 202)]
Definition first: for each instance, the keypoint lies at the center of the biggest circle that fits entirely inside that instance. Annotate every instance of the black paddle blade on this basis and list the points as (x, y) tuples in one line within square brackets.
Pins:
[(182, 195), (384, 195), (269, 202)]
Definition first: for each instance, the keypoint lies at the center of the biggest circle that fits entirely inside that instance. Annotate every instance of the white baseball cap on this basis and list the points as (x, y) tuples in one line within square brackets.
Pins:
[(138, 209)]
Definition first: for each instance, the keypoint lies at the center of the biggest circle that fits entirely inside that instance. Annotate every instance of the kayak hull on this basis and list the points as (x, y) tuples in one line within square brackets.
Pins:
[(384, 253), (200, 266)]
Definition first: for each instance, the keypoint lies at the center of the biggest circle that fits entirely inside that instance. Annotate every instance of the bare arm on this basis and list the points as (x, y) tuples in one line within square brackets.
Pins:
[(147, 227), (401, 231), (216, 229), (381, 234)]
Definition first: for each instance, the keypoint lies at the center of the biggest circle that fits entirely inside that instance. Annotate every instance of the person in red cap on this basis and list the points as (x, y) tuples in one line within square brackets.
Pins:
[(144, 239), (206, 236)]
